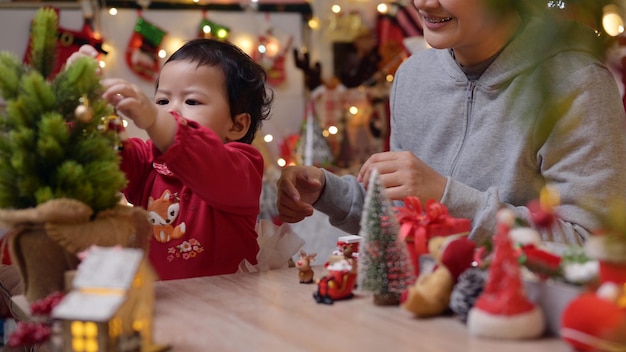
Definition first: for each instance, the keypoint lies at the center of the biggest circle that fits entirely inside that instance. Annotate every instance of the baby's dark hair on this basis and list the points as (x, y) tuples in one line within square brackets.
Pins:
[(246, 81)]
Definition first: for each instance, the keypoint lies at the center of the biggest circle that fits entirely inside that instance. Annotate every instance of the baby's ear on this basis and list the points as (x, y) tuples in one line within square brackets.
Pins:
[(240, 127)]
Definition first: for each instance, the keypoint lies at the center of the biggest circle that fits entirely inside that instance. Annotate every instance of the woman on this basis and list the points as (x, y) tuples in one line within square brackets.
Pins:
[(505, 103)]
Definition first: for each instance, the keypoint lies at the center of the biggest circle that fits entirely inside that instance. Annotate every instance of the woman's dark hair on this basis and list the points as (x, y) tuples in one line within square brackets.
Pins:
[(246, 81)]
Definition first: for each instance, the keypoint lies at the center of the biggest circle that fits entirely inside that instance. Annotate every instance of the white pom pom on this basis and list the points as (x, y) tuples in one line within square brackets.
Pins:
[(342, 265), (505, 216), (580, 273), (608, 291), (525, 235)]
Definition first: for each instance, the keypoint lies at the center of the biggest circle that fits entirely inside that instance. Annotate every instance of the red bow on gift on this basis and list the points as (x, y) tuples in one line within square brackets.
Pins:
[(419, 226), (414, 222)]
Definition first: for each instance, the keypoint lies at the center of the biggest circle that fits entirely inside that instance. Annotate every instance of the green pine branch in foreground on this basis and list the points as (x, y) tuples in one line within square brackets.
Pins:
[(45, 151)]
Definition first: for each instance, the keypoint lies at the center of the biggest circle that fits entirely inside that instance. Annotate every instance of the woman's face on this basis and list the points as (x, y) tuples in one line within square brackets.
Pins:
[(470, 27)]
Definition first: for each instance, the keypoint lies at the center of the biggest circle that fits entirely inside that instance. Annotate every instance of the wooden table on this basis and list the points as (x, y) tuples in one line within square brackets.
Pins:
[(272, 311)]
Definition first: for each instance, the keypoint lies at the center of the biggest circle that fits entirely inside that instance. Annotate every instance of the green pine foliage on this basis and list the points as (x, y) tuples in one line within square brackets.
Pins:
[(384, 263), (45, 151), (43, 45)]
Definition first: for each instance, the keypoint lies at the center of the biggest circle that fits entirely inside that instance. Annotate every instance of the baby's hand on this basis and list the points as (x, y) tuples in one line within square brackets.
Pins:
[(298, 188), (130, 101), (84, 50)]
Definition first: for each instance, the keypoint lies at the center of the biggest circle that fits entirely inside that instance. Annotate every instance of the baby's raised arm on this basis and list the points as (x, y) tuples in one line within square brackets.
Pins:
[(84, 50)]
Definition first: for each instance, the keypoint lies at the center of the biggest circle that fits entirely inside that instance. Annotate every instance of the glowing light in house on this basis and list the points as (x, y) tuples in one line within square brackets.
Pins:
[(112, 11), (262, 49), (353, 110), (333, 130), (206, 29), (102, 64), (124, 123), (138, 325), (335, 8), (91, 345), (84, 336), (382, 8), (196, 1), (268, 138), (612, 22), (162, 53), (325, 133), (389, 78), (281, 162)]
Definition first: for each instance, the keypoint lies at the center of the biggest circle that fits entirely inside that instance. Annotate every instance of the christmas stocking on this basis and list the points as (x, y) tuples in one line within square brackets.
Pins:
[(69, 41), (271, 55), (143, 47), (209, 29)]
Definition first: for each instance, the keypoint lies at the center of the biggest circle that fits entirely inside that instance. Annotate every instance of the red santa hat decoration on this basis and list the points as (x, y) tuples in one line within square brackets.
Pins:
[(503, 310)]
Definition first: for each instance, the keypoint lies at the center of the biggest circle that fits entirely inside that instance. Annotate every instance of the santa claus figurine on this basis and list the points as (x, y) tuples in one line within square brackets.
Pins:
[(338, 283)]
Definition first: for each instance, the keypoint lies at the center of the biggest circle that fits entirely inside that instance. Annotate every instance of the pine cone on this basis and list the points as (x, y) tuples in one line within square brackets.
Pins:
[(466, 291)]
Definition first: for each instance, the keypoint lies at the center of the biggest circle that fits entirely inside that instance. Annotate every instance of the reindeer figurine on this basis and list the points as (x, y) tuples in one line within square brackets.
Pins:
[(305, 273)]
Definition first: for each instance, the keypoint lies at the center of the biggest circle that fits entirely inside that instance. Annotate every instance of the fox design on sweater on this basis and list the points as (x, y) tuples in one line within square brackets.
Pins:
[(162, 213)]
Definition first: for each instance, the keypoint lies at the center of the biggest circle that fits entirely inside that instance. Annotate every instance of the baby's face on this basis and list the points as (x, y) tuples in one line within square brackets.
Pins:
[(195, 93)]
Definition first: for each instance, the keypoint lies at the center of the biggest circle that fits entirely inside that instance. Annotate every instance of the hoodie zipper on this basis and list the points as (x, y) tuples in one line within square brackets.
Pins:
[(471, 87)]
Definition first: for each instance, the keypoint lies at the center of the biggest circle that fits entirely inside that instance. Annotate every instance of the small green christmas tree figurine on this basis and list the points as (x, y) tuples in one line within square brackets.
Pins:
[(51, 145), (385, 267)]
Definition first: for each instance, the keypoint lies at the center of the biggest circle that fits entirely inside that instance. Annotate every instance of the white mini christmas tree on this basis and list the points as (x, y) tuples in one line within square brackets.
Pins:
[(385, 267), (313, 148)]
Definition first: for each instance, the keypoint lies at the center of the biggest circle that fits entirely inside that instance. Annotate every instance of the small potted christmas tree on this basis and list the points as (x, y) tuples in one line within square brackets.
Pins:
[(59, 167)]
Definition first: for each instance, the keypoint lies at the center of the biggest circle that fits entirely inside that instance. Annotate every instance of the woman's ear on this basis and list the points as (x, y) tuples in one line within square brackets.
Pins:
[(240, 127)]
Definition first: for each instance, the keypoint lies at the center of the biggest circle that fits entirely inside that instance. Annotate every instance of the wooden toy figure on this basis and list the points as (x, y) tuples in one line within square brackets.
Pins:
[(305, 273)]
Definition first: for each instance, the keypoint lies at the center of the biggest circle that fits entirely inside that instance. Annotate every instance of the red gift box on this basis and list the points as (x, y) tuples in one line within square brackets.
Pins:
[(417, 226)]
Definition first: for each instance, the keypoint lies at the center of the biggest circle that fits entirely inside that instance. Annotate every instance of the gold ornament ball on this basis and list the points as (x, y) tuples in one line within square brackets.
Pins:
[(83, 113)]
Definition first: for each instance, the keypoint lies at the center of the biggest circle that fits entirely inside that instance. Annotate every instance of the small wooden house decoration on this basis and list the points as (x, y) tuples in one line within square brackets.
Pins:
[(110, 305)]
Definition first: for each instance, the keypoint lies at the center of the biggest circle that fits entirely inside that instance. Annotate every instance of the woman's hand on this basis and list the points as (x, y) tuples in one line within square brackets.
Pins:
[(403, 174)]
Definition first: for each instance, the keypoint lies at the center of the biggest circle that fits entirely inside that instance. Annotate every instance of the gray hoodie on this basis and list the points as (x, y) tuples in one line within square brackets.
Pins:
[(496, 139)]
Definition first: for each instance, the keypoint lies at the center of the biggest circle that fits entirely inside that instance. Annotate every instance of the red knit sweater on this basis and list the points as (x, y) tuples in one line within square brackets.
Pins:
[(203, 199)]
